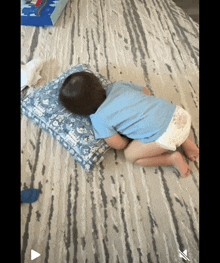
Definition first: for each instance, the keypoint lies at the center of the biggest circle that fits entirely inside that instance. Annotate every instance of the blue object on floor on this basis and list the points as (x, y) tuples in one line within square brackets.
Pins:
[(45, 15), (29, 196)]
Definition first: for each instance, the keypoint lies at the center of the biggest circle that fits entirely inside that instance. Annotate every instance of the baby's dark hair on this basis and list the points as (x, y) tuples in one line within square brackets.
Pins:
[(82, 93)]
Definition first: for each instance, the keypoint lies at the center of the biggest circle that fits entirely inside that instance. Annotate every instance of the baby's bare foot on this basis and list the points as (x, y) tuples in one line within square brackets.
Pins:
[(191, 150), (193, 154), (181, 165)]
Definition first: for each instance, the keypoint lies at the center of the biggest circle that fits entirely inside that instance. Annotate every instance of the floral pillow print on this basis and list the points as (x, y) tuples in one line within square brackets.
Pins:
[(73, 132)]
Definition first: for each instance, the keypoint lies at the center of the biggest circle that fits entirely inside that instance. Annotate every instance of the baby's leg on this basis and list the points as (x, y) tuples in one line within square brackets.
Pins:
[(137, 150), (151, 154)]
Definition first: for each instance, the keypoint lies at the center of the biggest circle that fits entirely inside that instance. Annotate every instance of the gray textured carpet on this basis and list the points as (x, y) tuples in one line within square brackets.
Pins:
[(120, 212)]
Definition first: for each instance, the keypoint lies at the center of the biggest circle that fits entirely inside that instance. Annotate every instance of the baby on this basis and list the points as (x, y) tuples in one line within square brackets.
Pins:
[(127, 117)]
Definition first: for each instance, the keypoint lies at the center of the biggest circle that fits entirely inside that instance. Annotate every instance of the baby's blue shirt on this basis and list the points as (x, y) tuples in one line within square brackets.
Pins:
[(127, 110)]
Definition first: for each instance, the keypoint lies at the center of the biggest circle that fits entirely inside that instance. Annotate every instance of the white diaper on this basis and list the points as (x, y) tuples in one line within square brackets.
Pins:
[(177, 131)]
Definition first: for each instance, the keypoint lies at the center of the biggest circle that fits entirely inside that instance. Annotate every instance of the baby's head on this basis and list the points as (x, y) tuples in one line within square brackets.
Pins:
[(82, 93)]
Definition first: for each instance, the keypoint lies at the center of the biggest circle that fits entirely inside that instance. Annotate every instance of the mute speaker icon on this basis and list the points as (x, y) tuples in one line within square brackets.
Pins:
[(183, 254)]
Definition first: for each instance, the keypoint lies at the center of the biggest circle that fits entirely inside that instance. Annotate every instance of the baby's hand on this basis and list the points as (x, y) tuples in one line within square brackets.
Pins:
[(146, 91)]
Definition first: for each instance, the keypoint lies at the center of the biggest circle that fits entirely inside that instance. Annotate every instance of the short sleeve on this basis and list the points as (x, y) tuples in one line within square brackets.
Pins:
[(130, 85), (136, 87), (101, 128)]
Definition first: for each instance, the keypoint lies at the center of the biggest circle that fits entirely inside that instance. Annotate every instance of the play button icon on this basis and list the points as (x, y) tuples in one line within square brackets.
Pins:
[(34, 254)]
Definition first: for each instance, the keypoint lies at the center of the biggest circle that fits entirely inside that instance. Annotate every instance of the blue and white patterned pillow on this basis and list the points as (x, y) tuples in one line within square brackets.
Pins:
[(73, 132)]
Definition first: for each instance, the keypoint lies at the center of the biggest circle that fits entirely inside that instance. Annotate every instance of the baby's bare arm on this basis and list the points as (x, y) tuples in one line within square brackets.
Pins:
[(117, 141)]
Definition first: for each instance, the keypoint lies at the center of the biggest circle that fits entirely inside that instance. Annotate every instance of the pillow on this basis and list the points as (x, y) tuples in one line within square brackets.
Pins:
[(73, 132)]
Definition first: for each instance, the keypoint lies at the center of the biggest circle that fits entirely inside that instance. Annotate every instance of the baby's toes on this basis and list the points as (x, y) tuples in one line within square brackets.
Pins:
[(189, 170), (193, 158)]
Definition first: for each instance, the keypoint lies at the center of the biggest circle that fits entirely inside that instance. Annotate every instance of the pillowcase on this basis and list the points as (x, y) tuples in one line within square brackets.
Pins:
[(73, 132)]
